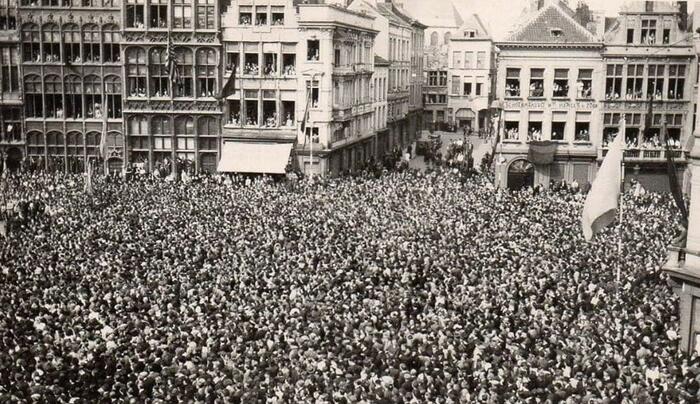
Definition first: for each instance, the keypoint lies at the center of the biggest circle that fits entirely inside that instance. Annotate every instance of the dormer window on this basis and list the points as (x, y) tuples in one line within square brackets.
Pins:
[(469, 34), (556, 32)]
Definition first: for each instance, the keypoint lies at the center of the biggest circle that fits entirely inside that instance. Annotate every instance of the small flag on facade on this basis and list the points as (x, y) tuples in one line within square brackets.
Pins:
[(228, 88)]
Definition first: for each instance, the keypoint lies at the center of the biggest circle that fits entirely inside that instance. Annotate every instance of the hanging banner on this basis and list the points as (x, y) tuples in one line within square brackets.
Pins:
[(542, 151)]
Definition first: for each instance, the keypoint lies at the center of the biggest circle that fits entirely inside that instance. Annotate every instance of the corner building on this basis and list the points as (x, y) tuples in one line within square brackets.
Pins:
[(12, 139)]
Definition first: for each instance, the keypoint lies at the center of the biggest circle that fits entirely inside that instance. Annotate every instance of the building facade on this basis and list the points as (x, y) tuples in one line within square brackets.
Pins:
[(171, 116), (550, 88), (649, 55), (71, 78), (12, 136), (471, 74)]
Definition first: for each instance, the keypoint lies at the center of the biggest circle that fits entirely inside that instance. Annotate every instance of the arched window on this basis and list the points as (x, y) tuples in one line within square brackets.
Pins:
[(206, 72), (35, 143), (34, 105), (161, 130), (74, 142), (52, 43), (113, 93), (183, 88), (138, 125), (74, 97), (448, 36), (115, 140), (207, 126), (136, 71), (92, 141), (93, 97), (434, 39), (184, 132), (55, 143), (91, 43), (53, 97), (71, 43), (111, 36), (31, 43), (159, 76)]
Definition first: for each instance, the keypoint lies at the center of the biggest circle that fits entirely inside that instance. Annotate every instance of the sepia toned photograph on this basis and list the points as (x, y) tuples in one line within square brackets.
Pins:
[(349, 201)]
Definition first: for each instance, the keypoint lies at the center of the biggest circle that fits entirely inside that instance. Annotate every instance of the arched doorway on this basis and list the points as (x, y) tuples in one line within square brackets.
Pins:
[(14, 159), (114, 165), (464, 118), (521, 174)]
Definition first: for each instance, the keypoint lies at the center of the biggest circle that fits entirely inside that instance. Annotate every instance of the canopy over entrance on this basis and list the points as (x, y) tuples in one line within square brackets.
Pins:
[(257, 158)]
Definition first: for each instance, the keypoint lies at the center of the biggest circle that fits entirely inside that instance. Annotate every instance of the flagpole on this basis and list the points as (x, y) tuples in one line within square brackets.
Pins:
[(311, 128), (622, 191)]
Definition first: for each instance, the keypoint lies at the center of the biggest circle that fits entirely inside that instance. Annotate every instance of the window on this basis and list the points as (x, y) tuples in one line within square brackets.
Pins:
[(312, 134), (448, 36), (536, 82), (71, 43), (111, 51), (269, 110), (584, 84), (245, 15), (468, 59), (11, 125), (635, 79), (234, 108), (8, 17), (479, 87), (205, 14), (135, 14), (91, 43), (313, 50), (469, 34), (252, 65), (313, 89), (277, 15), (676, 82), (33, 93), (511, 126), (55, 143), (648, 32), (666, 36), (655, 81), (583, 127), (207, 126), (161, 130), (534, 126), (35, 144), (182, 13), (434, 39), (630, 35), (633, 123), (287, 113), (184, 87), (613, 82), (560, 86), (432, 78), (158, 13), (136, 71), (92, 140), (113, 92), (206, 72), (674, 129), (233, 61), (159, 76), (289, 64), (74, 144), (270, 68), (31, 43), (442, 78), (251, 107), (74, 97), (261, 15), (184, 133), (558, 125), (481, 60), (9, 60), (457, 60), (468, 87), (51, 43), (93, 97), (53, 97), (556, 32), (137, 125), (456, 81), (611, 126), (512, 82)]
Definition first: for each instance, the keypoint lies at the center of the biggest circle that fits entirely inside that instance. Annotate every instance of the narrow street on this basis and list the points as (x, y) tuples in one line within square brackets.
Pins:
[(481, 147)]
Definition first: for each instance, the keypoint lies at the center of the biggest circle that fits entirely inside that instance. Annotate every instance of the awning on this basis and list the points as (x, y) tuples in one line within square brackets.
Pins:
[(259, 158)]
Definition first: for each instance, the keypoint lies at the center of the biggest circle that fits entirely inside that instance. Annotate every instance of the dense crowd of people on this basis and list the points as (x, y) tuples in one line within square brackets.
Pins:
[(407, 287)]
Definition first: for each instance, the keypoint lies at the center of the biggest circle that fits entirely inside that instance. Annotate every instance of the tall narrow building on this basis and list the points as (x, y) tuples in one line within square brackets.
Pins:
[(11, 116)]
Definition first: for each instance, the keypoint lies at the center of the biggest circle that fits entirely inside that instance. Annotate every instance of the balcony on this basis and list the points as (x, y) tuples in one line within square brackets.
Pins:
[(655, 155), (342, 112)]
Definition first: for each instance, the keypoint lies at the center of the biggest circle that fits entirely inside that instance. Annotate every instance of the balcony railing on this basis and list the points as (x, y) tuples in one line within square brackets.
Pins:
[(656, 154)]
